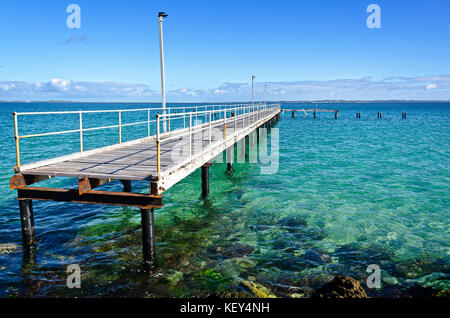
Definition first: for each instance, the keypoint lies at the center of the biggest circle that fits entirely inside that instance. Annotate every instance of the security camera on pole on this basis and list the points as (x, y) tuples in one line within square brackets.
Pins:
[(162, 15)]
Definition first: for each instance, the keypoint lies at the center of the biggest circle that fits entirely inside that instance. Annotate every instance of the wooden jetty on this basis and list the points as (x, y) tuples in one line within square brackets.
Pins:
[(162, 159), (313, 110)]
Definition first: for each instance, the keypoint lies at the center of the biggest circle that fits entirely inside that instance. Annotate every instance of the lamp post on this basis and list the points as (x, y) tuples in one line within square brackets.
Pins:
[(162, 15)]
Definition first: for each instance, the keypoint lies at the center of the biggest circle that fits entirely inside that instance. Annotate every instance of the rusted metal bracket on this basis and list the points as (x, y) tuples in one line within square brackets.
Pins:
[(19, 180), (86, 185), (145, 201)]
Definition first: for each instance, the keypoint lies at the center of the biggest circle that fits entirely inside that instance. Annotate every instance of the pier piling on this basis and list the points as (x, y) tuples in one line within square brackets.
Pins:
[(205, 180), (126, 185), (148, 237), (27, 220)]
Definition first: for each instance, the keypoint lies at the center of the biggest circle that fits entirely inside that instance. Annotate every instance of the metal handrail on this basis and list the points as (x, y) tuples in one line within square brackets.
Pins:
[(249, 112), (81, 129)]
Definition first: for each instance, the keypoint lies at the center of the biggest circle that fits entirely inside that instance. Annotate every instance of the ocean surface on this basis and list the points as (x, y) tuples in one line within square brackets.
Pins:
[(348, 193)]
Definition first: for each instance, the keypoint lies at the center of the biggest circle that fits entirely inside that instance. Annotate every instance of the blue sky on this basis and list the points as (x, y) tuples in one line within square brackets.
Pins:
[(303, 50)]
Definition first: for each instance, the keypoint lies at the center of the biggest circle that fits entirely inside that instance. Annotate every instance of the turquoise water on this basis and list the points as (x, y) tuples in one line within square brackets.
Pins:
[(348, 193)]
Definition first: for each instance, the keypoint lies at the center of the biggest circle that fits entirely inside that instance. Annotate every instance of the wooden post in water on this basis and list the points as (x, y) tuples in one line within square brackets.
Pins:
[(205, 180), (336, 114), (27, 221), (230, 157), (126, 185), (148, 237)]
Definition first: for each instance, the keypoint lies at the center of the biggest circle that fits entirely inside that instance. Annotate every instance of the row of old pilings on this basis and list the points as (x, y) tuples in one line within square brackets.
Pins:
[(380, 115)]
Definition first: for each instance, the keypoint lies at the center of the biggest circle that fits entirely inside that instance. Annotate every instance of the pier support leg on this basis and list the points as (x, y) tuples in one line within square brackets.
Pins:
[(230, 169), (205, 181), (148, 237), (27, 220), (126, 185), (314, 114), (230, 159), (335, 115), (292, 114)]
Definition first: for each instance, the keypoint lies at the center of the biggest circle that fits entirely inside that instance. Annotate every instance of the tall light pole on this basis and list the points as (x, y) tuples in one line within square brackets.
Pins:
[(253, 78), (162, 15)]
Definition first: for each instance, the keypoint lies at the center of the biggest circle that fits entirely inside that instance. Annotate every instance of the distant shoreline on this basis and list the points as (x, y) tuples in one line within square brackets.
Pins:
[(234, 102)]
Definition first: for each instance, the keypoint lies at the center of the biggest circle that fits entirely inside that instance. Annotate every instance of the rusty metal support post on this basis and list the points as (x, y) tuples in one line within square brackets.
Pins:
[(27, 220), (205, 181), (126, 185), (148, 237)]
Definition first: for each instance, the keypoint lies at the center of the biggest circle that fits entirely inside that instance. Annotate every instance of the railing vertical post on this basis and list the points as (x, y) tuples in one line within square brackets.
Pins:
[(235, 121), (190, 136), (169, 118), (148, 122), (210, 128), (81, 132), (224, 124), (158, 160), (184, 117), (120, 127), (16, 138)]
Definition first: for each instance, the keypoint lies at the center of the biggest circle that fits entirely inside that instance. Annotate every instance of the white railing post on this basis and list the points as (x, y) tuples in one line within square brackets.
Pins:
[(16, 138), (169, 118), (190, 136), (158, 158), (235, 121), (148, 122), (210, 128), (184, 117), (120, 127), (81, 132)]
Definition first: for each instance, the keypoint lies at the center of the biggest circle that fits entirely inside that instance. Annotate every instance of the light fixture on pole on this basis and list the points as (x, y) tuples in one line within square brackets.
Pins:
[(253, 78), (162, 15)]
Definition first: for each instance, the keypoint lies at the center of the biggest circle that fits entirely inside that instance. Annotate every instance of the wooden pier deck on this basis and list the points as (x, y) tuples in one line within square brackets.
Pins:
[(162, 159)]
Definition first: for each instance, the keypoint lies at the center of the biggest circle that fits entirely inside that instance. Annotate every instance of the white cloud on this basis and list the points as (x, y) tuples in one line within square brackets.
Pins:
[(411, 88)]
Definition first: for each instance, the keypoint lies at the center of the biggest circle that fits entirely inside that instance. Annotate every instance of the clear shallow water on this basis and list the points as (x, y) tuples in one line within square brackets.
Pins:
[(348, 193)]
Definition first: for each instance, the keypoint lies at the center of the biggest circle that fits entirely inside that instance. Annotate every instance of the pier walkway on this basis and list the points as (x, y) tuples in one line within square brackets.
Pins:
[(183, 142)]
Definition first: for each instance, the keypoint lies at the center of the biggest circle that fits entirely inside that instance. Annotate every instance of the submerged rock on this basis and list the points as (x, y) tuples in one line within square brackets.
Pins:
[(317, 256), (341, 287), (7, 248), (258, 289), (414, 268), (231, 294), (292, 223), (235, 250)]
